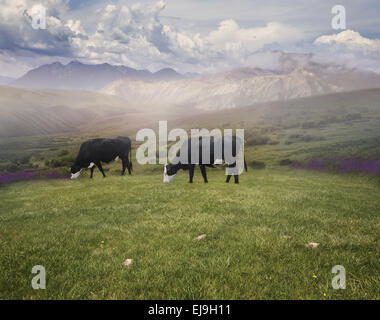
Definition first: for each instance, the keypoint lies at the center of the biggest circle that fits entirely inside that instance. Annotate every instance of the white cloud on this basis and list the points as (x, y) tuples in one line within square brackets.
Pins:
[(350, 48), (16, 31), (137, 36), (230, 35), (350, 40), (134, 35)]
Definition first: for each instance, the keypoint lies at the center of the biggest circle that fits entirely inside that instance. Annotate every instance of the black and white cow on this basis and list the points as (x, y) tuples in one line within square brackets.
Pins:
[(95, 151), (234, 143)]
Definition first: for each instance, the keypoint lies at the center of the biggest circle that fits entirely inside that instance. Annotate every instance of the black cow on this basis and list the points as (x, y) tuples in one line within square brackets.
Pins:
[(95, 151), (171, 170)]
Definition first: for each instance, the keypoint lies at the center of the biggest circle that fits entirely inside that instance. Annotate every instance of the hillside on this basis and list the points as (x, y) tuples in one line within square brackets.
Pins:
[(243, 87), (335, 125), (34, 112)]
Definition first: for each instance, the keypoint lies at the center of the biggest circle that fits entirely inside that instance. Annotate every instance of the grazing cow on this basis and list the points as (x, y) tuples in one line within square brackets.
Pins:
[(232, 142), (95, 151)]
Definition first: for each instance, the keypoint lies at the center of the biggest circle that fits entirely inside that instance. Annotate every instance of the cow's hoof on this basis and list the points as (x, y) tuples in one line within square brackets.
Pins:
[(206, 181)]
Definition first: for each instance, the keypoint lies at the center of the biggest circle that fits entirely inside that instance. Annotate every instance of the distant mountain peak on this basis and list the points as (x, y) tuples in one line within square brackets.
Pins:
[(75, 63), (166, 70), (80, 76), (167, 74)]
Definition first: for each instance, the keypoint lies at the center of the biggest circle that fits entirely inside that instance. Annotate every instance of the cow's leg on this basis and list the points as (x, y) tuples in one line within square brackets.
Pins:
[(99, 165), (236, 177), (125, 165), (129, 166), (92, 171), (204, 174), (191, 172)]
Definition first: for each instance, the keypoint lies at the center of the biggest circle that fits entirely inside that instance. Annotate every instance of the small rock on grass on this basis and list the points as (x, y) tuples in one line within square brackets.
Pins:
[(202, 236), (313, 244), (128, 262)]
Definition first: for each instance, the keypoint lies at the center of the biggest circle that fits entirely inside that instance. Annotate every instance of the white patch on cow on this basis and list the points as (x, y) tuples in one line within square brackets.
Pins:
[(91, 165), (75, 175), (168, 178), (218, 161), (117, 158)]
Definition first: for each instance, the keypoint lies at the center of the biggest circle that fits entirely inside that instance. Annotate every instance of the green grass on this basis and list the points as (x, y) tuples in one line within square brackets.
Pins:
[(255, 247), (257, 232)]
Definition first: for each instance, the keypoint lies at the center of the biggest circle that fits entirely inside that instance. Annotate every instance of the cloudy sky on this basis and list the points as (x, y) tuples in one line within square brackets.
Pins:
[(187, 35)]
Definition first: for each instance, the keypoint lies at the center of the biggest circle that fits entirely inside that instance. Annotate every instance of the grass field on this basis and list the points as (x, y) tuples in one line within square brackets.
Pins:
[(255, 246), (256, 232)]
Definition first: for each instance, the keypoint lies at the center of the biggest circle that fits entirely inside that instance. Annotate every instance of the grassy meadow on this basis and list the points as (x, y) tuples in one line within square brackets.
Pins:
[(255, 246), (257, 232)]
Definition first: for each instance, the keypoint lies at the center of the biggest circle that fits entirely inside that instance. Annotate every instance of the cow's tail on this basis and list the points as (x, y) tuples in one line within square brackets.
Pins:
[(245, 165), (130, 158)]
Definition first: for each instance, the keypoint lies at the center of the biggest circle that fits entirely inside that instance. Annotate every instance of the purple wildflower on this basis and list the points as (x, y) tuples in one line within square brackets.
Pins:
[(28, 175), (341, 166)]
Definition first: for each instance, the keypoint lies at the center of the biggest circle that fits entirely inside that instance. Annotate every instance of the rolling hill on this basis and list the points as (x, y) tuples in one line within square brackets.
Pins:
[(33, 112), (243, 87), (336, 124)]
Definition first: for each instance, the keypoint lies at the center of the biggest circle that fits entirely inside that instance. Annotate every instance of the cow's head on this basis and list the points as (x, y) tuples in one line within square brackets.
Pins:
[(75, 171), (170, 172)]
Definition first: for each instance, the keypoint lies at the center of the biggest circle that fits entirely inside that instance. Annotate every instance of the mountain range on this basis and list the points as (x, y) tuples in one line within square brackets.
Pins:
[(79, 76), (295, 76), (243, 87)]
